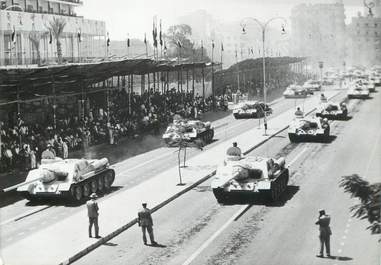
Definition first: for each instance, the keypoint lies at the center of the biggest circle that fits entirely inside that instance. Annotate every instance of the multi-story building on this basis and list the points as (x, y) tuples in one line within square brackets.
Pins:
[(318, 32), (365, 38), (22, 21), (237, 46)]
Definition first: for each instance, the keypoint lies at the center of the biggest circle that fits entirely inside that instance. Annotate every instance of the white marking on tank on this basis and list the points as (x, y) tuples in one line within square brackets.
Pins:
[(214, 236), (297, 157)]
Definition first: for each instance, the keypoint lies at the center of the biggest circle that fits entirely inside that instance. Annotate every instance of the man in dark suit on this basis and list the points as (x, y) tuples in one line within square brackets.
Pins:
[(324, 233), (146, 223), (92, 212)]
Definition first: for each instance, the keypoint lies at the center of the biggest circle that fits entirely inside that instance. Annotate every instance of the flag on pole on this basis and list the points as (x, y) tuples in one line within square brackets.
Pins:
[(161, 36), (108, 40), (13, 37), (154, 33), (50, 37), (212, 44), (165, 48), (79, 36), (222, 47), (128, 42), (145, 38)]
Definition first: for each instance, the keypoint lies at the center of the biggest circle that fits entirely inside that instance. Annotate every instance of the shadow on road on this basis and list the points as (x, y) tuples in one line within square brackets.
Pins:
[(340, 258), (258, 199), (157, 245)]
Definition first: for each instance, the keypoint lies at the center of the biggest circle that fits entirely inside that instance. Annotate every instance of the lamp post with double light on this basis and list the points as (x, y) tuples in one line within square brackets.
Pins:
[(263, 27)]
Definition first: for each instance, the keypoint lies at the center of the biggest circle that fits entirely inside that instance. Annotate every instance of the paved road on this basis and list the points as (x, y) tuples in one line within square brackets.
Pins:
[(194, 229), (130, 172)]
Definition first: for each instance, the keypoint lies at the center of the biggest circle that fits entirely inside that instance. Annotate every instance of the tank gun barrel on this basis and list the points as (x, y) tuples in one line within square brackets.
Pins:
[(21, 184)]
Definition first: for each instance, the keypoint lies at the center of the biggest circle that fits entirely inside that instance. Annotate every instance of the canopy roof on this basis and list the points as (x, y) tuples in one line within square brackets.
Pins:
[(70, 77)]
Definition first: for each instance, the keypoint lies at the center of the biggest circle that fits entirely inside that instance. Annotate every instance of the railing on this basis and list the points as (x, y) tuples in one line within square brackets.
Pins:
[(40, 12)]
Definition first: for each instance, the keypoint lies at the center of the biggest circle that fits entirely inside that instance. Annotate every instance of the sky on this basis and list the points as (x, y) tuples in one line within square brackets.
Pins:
[(134, 17)]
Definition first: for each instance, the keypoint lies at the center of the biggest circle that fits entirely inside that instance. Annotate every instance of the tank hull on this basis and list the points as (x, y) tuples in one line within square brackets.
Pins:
[(340, 115), (277, 186), (206, 137), (295, 138), (99, 182)]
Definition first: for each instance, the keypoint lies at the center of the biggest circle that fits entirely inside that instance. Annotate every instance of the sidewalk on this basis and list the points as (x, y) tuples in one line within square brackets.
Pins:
[(68, 238)]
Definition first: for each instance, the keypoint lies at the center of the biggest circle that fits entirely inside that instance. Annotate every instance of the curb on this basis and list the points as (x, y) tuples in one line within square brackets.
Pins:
[(162, 204)]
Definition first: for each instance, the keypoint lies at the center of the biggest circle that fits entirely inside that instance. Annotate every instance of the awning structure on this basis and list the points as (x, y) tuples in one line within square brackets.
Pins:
[(39, 80), (258, 63)]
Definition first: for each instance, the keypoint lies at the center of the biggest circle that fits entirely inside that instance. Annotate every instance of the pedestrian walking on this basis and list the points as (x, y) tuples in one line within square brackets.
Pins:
[(324, 233), (92, 212), (146, 223)]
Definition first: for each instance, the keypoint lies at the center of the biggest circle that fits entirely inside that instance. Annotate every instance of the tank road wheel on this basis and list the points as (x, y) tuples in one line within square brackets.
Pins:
[(77, 193), (109, 179), (86, 190), (94, 186)]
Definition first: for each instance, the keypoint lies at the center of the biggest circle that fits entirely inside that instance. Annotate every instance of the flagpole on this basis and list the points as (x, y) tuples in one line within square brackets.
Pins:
[(222, 52)]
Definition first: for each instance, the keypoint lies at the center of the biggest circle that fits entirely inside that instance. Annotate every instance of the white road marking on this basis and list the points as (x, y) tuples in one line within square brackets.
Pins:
[(297, 157), (216, 234)]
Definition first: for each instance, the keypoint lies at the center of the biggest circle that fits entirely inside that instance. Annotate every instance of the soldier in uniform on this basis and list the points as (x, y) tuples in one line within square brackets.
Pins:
[(324, 233), (145, 222), (234, 151), (49, 153), (92, 212)]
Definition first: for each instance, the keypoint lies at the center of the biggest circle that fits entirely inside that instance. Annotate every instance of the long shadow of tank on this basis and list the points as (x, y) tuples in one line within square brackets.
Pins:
[(327, 140), (264, 200)]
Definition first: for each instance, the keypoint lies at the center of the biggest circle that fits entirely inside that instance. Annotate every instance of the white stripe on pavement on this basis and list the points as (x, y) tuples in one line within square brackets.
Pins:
[(216, 234)]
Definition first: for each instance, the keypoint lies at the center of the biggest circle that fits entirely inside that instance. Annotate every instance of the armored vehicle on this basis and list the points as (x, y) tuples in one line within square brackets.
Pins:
[(312, 85), (251, 109), (308, 129), (295, 91), (75, 179), (332, 111), (188, 131), (250, 178)]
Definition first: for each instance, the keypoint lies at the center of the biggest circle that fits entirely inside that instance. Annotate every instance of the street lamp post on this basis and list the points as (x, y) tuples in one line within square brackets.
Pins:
[(263, 27)]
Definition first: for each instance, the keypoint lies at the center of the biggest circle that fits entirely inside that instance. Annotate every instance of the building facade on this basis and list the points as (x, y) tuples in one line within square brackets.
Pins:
[(365, 38), (22, 21), (319, 32)]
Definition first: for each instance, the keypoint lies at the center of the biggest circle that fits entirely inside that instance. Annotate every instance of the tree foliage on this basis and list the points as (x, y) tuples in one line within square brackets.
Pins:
[(180, 35), (35, 38), (370, 200), (56, 27)]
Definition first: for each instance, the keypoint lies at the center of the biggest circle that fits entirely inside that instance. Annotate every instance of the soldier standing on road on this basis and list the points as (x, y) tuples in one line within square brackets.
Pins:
[(145, 222), (92, 212), (324, 233)]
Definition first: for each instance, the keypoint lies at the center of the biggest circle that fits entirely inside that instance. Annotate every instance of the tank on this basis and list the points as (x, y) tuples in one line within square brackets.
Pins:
[(75, 179), (251, 109), (188, 131), (251, 178), (332, 111), (295, 91), (308, 129)]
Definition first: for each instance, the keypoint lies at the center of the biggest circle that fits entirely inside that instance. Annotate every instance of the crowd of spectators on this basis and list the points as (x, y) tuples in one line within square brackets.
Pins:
[(130, 115)]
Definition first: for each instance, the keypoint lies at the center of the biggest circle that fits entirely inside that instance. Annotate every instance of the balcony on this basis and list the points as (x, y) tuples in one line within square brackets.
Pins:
[(40, 11)]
